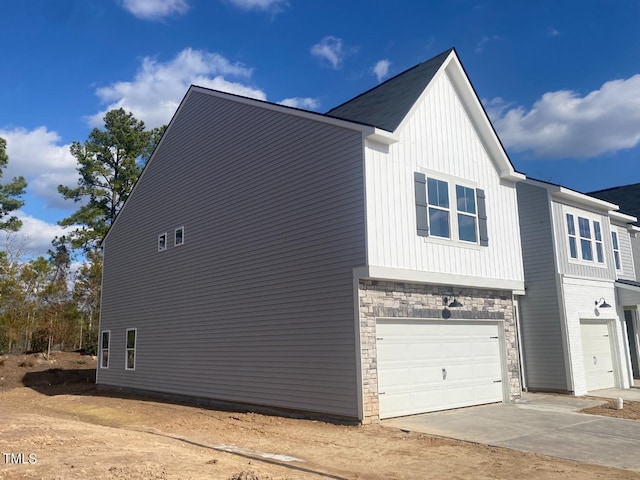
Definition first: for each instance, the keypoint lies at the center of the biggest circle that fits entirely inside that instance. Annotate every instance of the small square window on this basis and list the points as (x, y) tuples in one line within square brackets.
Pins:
[(179, 236), (162, 242)]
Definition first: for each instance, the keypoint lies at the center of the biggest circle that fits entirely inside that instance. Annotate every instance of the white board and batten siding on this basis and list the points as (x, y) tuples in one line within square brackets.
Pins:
[(540, 309), (257, 305), (425, 366), (579, 301), (438, 137)]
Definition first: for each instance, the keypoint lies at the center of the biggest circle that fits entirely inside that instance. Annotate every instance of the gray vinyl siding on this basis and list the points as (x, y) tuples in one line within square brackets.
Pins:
[(540, 320), (605, 272), (257, 306), (626, 260)]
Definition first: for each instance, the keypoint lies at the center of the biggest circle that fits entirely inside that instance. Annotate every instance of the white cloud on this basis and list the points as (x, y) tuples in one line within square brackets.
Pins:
[(332, 50), (155, 9), (484, 41), (265, 5), (35, 234), (157, 88), (381, 69), (552, 32), (563, 124), (305, 103), (38, 156)]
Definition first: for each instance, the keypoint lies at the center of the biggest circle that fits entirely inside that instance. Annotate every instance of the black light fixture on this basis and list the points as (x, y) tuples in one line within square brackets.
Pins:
[(602, 303), (454, 302)]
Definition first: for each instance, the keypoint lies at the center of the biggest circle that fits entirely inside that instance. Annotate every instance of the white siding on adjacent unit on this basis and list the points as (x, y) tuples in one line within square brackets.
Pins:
[(634, 240), (626, 255), (580, 296), (438, 137)]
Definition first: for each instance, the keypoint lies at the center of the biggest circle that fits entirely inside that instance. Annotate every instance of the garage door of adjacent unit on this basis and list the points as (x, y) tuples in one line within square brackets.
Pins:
[(424, 366), (596, 349)]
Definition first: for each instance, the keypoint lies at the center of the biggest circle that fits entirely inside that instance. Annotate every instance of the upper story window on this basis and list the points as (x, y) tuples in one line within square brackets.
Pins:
[(467, 215), (162, 242), (616, 250), (438, 193), (179, 236), (463, 220), (585, 241)]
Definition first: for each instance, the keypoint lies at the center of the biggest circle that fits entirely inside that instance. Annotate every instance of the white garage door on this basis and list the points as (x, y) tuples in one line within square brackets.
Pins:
[(427, 366), (596, 349)]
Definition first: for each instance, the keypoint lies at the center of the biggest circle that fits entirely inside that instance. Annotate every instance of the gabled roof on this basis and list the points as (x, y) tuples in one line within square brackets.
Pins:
[(627, 196), (386, 105)]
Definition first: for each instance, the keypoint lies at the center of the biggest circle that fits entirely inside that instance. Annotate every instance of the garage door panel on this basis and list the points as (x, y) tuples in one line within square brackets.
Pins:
[(596, 351), (429, 366)]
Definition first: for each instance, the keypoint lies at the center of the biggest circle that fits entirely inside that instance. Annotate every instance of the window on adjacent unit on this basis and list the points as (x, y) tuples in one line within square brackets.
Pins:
[(584, 229), (438, 196), (131, 349), (585, 241), (616, 250), (467, 215), (162, 242), (179, 236), (573, 243), (104, 349), (597, 235)]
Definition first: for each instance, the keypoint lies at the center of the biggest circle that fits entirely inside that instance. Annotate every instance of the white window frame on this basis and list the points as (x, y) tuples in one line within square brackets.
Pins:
[(127, 349), (571, 236), (454, 232), (431, 206), (617, 259), (577, 235), (102, 349), (161, 247), (467, 214), (175, 236)]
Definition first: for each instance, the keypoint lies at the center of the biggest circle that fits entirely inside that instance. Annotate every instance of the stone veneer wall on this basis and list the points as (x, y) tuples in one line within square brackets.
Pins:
[(392, 299)]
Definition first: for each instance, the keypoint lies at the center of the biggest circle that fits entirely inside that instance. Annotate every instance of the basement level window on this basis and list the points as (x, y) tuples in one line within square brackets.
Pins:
[(162, 242), (179, 236)]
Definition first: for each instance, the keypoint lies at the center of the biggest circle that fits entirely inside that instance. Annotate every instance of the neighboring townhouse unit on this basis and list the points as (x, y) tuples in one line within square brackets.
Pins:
[(359, 264), (575, 248), (628, 286)]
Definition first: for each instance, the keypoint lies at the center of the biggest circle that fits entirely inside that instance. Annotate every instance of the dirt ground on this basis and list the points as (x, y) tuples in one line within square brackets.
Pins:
[(56, 425)]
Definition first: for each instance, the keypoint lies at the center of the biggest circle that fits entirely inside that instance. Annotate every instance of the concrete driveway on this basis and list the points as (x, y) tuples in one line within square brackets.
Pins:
[(539, 423)]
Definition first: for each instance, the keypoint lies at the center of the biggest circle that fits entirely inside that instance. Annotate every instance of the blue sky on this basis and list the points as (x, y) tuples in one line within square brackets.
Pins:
[(560, 79)]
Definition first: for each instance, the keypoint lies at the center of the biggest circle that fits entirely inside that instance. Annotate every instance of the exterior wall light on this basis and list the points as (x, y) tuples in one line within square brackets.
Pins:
[(454, 302), (602, 303)]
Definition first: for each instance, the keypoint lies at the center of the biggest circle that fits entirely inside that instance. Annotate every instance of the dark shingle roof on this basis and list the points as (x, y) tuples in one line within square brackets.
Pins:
[(386, 105), (627, 197)]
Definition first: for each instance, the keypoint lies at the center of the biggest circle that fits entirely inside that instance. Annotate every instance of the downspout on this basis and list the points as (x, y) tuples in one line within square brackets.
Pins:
[(516, 318)]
